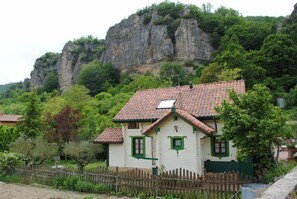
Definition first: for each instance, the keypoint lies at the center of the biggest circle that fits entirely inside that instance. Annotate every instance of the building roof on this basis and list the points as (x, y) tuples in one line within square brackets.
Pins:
[(184, 115), (199, 101), (9, 118), (110, 135)]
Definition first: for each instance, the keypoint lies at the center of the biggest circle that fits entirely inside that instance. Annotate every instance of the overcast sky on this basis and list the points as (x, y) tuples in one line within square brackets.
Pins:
[(30, 28)]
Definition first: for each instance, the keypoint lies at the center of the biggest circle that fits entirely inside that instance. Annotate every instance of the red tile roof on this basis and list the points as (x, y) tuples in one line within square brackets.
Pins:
[(110, 135), (187, 117), (9, 118), (199, 101)]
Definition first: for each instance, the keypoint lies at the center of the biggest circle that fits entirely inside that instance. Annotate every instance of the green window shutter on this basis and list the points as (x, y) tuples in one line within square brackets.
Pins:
[(219, 148)]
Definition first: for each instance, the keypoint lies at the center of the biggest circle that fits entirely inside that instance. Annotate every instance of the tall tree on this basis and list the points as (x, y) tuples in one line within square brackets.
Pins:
[(253, 124), (96, 76), (63, 127), (30, 124)]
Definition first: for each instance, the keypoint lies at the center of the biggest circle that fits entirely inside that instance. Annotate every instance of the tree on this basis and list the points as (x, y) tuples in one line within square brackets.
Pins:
[(51, 82), (7, 135), (95, 76), (174, 72), (82, 152), (63, 127), (30, 123), (35, 151), (253, 124)]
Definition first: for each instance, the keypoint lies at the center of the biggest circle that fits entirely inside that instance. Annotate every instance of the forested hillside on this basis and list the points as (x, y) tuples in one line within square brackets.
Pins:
[(256, 49)]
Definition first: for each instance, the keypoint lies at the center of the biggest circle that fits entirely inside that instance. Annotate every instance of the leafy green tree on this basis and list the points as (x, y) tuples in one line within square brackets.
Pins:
[(82, 152), (30, 123), (291, 99), (35, 151), (7, 135), (95, 76), (174, 72), (210, 73), (51, 82), (278, 55), (253, 124)]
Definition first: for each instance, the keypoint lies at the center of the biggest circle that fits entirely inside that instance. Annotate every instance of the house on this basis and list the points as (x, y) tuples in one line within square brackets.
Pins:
[(7, 119), (171, 128)]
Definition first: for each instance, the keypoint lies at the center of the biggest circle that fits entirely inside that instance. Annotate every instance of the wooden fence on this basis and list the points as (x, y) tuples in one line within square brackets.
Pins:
[(178, 183)]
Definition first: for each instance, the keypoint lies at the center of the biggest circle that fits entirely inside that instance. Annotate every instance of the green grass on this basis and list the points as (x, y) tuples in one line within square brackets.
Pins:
[(72, 164)]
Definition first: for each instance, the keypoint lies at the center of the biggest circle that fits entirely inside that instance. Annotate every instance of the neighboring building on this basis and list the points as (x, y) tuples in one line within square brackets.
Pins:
[(171, 128), (6, 119)]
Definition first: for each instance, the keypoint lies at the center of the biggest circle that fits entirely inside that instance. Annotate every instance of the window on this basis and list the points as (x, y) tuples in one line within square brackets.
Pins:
[(219, 148), (177, 143), (133, 125), (166, 104), (138, 146)]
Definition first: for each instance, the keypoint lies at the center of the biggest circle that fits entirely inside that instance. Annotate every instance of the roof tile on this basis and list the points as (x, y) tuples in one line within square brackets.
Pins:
[(199, 101), (110, 135)]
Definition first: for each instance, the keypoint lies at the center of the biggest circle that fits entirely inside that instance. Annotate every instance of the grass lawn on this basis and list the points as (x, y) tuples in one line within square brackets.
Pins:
[(72, 164)]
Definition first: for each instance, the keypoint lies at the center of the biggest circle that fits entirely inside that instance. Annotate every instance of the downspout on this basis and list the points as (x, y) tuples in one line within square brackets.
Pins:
[(215, 122)]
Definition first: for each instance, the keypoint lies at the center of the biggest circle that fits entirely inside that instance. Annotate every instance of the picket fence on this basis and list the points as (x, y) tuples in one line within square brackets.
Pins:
[(179, 183)]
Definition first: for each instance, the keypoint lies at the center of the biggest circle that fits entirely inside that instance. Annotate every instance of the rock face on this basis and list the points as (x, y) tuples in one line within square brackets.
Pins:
[(191, 42), (133, 42), (69, 66), (42, 67)]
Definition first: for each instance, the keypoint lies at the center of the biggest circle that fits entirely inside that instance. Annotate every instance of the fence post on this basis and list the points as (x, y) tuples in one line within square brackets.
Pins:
[(117, 180)]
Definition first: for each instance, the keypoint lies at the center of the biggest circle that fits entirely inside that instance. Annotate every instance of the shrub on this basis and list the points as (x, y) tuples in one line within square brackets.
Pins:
[(70, 182), (8, 162), (84, 186), (59, 181), (283, 168), (100, 188)]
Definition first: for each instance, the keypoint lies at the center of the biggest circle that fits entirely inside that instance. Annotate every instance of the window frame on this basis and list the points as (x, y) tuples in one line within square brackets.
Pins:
[(175, 138), (220, 154), (133, 147), (133, 125)]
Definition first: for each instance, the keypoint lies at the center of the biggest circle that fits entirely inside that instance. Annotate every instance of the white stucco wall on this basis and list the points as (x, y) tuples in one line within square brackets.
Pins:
[(171, 159), (130, 161), (206, 144), (116, 155)]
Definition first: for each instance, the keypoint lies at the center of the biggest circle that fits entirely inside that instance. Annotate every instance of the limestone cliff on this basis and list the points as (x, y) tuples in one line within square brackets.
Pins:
[(42, 67), (135, 42)]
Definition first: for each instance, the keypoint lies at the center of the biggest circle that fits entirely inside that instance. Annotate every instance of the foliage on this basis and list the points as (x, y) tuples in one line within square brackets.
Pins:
[(30, 123), (8, 161), (283, 168), (74, 183), (63, 127), (82, 152), (34, 151), (96, 76), (47, 60), (8, 134), (253, 124), (210, 73), (291, 98), (174, 72), (51, 83)]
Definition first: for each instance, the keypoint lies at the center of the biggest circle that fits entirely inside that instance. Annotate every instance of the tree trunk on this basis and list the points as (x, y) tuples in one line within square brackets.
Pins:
[(80, 168)]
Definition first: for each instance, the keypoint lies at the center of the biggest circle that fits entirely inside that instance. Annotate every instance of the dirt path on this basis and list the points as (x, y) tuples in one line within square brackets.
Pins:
[(19, 191)]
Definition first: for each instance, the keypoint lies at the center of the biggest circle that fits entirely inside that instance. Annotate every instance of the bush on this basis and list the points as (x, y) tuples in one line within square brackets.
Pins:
[(8, 162), (100, 188), (283, 168), (84, 186), (70, 182), (59, 181)]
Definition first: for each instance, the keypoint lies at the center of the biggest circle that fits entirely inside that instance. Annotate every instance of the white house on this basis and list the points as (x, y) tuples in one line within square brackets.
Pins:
[(171, 128)]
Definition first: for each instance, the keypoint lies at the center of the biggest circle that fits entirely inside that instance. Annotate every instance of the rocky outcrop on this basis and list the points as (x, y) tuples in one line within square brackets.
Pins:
[(68, 66), (134, 42), (191, 42), (42, 67)]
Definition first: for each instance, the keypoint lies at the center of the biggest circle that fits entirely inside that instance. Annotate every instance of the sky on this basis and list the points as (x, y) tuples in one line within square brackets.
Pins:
[(30, 28)]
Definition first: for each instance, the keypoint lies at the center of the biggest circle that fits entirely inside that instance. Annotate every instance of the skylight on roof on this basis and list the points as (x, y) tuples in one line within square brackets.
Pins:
[(166, 104)]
